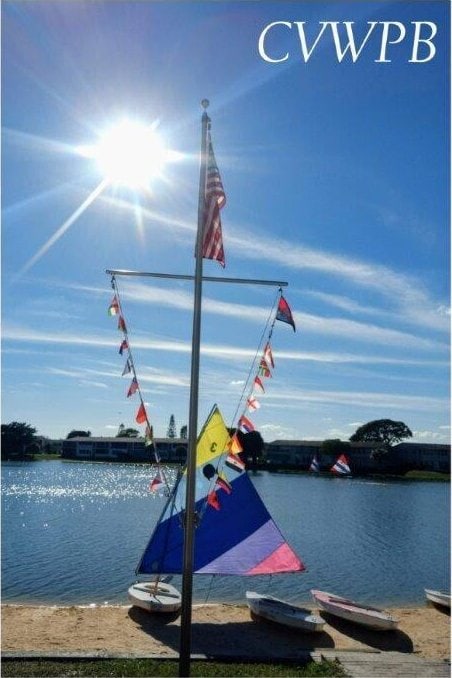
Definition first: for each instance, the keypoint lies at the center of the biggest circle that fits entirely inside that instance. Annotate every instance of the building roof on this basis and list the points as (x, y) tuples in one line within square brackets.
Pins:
[(125, 439)]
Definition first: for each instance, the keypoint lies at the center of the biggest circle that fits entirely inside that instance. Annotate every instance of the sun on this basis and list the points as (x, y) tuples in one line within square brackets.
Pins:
[(130, 154)]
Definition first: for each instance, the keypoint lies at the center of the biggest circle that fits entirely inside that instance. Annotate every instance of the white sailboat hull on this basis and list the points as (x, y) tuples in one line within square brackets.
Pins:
[(351, 611), (283, 613), (155, 596), (438, 597)]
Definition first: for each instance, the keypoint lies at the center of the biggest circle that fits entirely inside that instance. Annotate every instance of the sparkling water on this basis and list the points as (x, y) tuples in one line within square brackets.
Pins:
[(73, 533)]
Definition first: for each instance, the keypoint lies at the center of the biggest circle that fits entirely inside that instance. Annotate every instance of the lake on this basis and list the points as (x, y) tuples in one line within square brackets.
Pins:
[(73, 533)]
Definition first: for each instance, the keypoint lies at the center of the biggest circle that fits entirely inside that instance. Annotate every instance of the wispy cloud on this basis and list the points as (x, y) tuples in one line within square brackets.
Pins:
[(147, 375), (389, 401), (29, 335), (314, 324), (407, 293)]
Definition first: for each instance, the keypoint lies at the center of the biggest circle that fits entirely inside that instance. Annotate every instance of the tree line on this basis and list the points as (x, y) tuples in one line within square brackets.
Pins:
[(124, 432), (19, 440)]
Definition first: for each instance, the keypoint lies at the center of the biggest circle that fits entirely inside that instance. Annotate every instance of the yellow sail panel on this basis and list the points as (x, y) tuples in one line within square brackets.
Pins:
[(213, 439)]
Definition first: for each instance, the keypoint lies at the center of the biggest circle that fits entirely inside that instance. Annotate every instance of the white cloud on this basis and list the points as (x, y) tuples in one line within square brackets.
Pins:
[(407, 293), (18, 333), (428, 435), (315, 324), (389, 401)]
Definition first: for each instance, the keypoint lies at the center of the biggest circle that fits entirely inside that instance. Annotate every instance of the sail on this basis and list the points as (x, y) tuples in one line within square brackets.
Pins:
[(235, 533), (341, 466), (315, 467)]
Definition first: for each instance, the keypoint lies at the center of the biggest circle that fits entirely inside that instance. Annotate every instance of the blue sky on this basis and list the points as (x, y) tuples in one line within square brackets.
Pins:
[(336, 177)]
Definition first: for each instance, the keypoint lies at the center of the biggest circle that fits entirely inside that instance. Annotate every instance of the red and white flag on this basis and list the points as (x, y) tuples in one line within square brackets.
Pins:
[(268, 355), (156, 482), (253, 404), (133, 387), (214, 200), (258, 382)]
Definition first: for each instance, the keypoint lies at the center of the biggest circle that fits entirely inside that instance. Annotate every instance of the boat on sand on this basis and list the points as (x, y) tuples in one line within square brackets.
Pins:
[(438, 597), (372, 617), (155, 596), (284, 613)]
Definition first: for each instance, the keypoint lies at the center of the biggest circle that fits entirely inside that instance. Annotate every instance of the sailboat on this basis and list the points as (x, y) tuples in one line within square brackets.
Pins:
[(341, 466), (235, 534), (315, 466)]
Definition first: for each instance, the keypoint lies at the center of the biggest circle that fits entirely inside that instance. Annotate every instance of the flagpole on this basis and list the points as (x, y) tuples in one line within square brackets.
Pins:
[(189, 523)]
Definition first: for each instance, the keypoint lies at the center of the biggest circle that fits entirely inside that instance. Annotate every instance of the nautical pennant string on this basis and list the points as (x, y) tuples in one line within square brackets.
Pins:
[(265, 365), (264, 368), (141, 417)]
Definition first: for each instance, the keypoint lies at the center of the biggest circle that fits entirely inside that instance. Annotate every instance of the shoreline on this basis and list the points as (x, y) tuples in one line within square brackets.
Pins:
[(217, 629)]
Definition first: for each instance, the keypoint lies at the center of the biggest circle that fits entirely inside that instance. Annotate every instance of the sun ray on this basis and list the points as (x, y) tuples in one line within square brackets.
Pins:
[(62, 229)]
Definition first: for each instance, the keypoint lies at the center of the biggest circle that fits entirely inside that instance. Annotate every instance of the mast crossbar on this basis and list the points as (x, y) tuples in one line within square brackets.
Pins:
[(173, 276)]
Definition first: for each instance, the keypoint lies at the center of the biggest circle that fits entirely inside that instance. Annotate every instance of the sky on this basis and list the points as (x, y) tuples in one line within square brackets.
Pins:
[(336, 175)]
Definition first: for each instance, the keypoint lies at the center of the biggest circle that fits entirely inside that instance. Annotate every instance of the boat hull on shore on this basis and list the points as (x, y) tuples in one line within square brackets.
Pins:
[(155, 596), (279, 611), (438, 597), (371, 617)]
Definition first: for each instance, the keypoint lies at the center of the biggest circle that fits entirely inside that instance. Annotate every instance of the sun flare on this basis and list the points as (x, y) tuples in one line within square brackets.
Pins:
[(130, 153)]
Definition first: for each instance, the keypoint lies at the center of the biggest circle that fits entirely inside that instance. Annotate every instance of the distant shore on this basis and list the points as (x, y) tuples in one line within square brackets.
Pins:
[(434, 476), (216, 629)]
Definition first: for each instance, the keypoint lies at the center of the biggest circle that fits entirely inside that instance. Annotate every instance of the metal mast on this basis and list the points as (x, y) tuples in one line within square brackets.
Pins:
[(189, 526)]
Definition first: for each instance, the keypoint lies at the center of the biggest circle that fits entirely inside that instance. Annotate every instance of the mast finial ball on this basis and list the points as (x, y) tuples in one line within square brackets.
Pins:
[(205, 103)]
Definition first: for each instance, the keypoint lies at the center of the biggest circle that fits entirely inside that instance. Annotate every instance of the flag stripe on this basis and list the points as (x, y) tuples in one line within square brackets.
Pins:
[(215, 199)]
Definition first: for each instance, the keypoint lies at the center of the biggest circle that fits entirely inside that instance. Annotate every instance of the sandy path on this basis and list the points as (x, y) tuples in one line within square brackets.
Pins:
[(217, 629)]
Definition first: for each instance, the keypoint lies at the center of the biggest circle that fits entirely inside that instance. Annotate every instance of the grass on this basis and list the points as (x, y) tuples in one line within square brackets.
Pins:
[(427, 475), (101, 668)]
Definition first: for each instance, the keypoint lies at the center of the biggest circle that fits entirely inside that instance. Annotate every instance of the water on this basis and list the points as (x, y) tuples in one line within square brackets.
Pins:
[(72, 533)]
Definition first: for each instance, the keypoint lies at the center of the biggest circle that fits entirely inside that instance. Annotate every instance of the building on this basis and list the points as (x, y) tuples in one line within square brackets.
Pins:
[(363, 457), (293, 454), (84, 448), (425, 456)]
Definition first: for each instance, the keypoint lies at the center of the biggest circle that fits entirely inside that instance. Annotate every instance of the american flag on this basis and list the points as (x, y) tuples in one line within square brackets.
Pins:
[(215, 199)]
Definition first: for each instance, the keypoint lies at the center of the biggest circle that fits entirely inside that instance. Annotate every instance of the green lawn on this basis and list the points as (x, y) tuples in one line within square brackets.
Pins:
[(101, 668)]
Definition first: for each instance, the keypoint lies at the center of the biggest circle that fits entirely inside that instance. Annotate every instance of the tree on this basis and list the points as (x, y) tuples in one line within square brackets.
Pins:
[(183, 432), (334, 446), (17, 439), (78, 434), (384, 431), (171, 433), (252, 444), (128, 433)]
